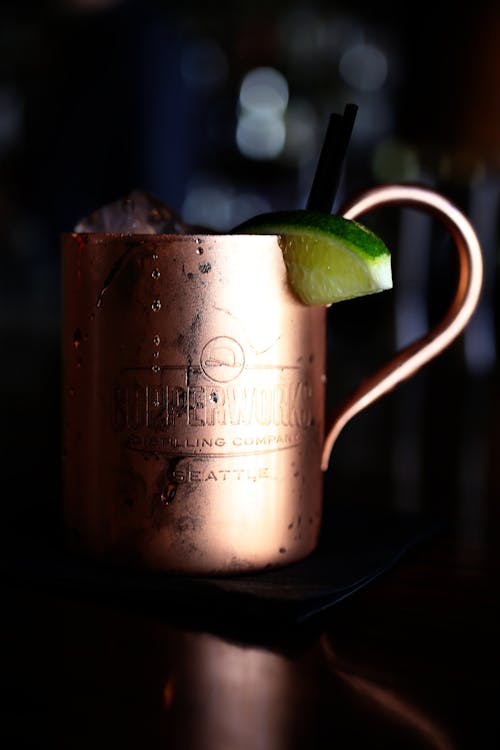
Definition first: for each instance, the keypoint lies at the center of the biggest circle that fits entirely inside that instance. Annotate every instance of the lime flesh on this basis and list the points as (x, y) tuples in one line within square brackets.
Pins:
[(328, 258)]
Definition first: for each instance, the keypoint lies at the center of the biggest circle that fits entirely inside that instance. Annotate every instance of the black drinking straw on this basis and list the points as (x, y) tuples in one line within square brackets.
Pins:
[(331, 159)]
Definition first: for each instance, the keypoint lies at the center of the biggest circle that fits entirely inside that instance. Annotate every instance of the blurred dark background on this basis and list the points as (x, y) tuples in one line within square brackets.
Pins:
[(220, 110)]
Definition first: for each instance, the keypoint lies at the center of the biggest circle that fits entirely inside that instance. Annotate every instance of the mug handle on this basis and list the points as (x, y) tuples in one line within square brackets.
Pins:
[(410, 359)]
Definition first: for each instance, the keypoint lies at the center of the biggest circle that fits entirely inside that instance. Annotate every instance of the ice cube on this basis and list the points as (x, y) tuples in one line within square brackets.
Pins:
[(137, 213)]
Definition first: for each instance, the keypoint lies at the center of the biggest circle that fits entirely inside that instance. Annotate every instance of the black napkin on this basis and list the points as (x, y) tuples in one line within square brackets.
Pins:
[(356, 547)]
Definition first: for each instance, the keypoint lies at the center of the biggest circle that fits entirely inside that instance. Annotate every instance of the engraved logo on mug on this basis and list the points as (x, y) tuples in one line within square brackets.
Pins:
[(222, 359), (222, 406)]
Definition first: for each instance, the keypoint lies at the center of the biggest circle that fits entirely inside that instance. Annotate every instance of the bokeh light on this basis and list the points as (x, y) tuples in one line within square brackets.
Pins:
[(364, 67), (264, 90), (260, 135), (220, 205), (263, 100), (207, 205)]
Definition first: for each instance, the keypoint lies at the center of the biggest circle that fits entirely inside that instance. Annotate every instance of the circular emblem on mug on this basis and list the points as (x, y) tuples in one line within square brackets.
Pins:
[(222, 359)]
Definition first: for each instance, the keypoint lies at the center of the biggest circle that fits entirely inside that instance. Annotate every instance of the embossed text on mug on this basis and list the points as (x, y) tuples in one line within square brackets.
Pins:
[(166, 410)]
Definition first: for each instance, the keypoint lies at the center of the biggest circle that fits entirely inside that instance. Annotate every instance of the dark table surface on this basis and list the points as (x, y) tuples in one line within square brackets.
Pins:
[(411, 661)]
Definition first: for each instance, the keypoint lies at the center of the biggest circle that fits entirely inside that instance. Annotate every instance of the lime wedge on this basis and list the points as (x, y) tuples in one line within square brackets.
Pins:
[(328, 258)]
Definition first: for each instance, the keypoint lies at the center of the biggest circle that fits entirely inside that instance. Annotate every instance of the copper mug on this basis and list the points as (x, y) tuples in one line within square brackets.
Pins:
[(193, 394)]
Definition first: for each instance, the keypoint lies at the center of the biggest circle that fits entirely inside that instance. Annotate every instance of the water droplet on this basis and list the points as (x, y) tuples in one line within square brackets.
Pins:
[(156, 403), (155, 256), (155, 273), (156, 368), (168, 493), (156, 305), (205, 267), (156, 355), (156, 340), (199, 250), (77, 338), (214, 397)]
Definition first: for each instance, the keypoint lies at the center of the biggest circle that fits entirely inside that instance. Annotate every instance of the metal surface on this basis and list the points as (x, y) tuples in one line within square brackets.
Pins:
[(193, 394), (407, 362), (193, 403)]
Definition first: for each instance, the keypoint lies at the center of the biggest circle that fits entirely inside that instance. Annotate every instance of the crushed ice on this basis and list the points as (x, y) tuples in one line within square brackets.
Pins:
[(137, 213)]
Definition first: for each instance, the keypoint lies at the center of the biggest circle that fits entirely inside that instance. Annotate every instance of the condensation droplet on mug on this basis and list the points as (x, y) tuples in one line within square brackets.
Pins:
[(156, 355), (156, 368), (77, 338), (156, 403), (155, 273), (168, 493), (156, 305), (199, 251), (214, 397), (156, 340), (155, 256)]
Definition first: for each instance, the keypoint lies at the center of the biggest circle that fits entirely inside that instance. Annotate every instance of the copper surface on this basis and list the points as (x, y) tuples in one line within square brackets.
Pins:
[(193, 394), (193, 403), (408, 361)]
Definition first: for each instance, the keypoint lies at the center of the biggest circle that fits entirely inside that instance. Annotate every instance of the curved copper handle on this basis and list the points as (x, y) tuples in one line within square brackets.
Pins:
[(413, 357)]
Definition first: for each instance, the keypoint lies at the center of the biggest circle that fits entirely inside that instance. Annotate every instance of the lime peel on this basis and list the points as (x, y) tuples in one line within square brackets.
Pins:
[(328, 258)]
